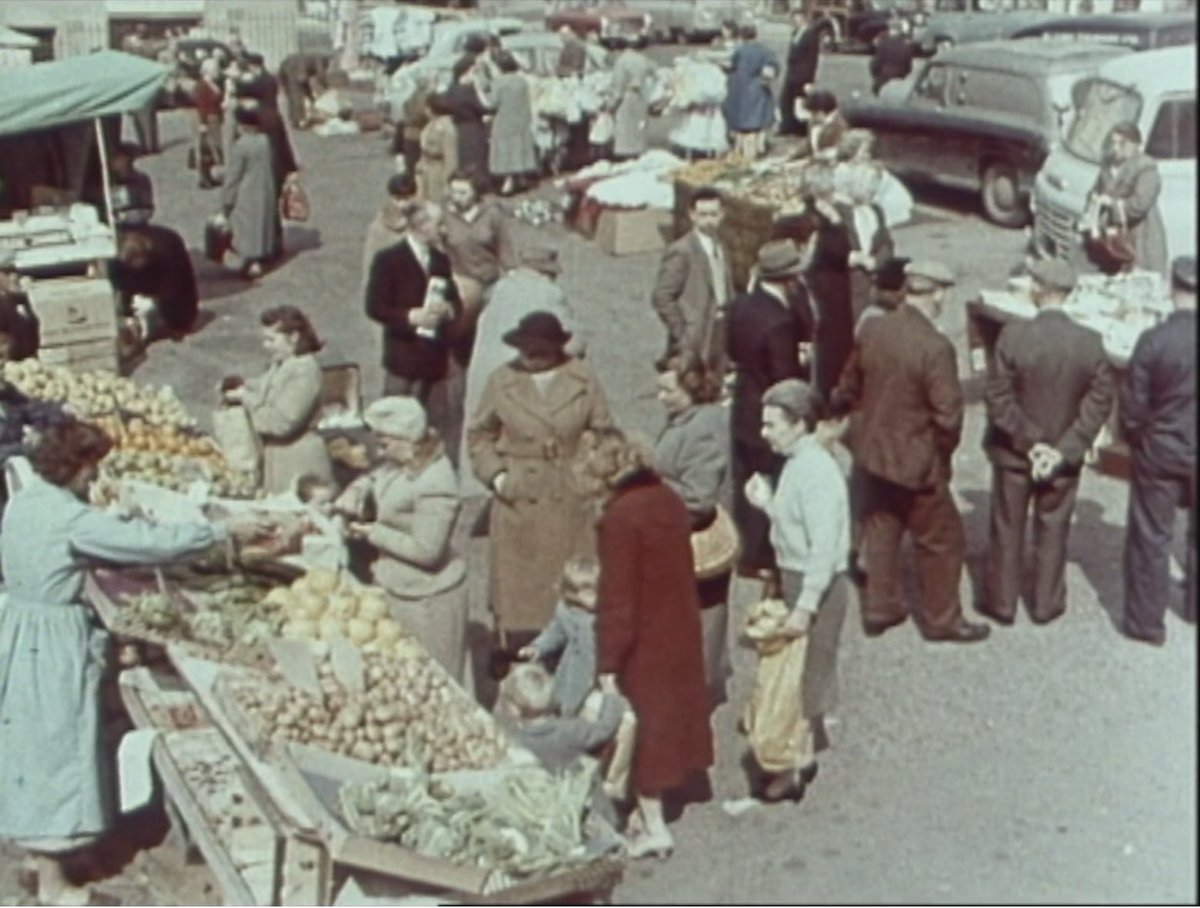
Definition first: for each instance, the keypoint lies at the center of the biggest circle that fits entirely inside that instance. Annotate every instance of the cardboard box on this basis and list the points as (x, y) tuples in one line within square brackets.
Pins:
[(71, 310), (621, 231), (83, 356)]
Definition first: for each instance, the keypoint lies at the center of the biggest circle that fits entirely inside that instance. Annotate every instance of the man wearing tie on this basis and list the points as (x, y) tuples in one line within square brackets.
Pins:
[(694, 286)]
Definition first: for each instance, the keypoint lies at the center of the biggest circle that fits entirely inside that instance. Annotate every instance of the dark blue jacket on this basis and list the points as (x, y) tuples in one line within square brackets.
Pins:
[(1158, 405)]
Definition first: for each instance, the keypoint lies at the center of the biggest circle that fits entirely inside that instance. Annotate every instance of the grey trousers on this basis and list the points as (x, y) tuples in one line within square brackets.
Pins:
[(819, 687), (1053, 503)]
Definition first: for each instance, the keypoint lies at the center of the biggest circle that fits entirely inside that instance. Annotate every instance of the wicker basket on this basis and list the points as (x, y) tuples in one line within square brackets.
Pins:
[(715, 548)]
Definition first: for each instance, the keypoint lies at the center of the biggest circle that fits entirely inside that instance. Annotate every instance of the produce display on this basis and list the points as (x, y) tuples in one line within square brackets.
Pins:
[(409, 713), (324, 604), (90, 394), (528, 824)]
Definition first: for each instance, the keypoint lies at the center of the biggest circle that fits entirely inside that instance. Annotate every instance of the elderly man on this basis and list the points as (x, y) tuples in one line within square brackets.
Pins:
[(1158, 414), (1049, 391), (532, 287), (765, 337), (695, 284), (810, 531), (902, 378)]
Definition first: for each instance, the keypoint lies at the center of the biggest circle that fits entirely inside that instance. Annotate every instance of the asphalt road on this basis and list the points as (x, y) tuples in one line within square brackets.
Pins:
[(1050, 764)]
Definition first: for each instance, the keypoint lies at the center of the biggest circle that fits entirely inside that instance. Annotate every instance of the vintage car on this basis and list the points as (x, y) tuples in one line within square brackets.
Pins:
[(693, 20), (416, 32), (1139, 31), (980, 118), (613, 21), (849, 25), (955, 22), (536, 52)]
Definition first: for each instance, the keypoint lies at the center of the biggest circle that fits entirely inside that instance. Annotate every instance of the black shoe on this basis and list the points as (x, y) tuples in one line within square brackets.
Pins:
[(963, 632), (1157, 638), (998, 617), (875, 628), (808, 774), (786, 786)]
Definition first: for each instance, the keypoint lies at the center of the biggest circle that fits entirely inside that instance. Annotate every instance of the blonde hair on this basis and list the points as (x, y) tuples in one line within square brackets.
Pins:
[(527, 692), (579, 573), (606, 458)]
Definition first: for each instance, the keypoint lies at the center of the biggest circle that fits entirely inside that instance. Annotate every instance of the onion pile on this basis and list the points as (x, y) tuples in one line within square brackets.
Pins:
[(91, 394), (408, 714), (322, 605)]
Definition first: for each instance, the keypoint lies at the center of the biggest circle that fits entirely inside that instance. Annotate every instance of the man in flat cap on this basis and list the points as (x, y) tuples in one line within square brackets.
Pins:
[(903, 380), (764, 335), (1158, 415), (1049, 392)]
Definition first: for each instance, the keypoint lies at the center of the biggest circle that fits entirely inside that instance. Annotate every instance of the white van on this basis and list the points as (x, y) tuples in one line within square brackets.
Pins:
[(1156, 90)]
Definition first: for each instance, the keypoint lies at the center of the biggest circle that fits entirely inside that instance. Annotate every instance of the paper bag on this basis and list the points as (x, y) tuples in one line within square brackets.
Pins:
[(235, 436)]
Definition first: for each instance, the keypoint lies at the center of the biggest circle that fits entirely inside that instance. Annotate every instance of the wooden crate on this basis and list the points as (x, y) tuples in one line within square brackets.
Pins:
[(73, 310), (83, 356), (630, 231)]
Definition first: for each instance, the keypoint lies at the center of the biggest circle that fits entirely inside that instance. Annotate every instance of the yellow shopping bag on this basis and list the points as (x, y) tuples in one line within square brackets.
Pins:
[(774, 718)]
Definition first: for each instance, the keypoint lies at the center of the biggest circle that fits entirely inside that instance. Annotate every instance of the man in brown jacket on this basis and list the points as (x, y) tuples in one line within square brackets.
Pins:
[(1049, 390), (903, 380), (694, 286)]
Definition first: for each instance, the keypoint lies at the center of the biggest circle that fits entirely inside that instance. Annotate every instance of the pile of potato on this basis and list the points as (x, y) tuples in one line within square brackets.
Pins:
[(90, 394), (169, 471), (322, 605), (409, 713)]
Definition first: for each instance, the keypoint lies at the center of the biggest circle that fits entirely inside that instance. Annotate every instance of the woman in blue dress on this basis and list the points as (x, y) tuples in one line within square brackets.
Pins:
[(750, 105), (55, 798)]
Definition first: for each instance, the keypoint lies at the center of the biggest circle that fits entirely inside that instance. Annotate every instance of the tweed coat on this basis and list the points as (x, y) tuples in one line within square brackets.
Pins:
[(250, 197), (903, 380), (692, 457), (648, 631), (1137, 185), (540, 519), (515, 296), (512, 150), (1050, 381), (283, 408), (686, 300)]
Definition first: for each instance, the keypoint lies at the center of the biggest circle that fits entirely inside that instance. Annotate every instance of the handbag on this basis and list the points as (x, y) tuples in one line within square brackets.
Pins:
[(293, 202), (716, 547), (1112, 247), (218, 239)]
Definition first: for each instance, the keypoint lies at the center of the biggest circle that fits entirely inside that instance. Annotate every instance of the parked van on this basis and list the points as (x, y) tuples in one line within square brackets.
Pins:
[(1156, 90)]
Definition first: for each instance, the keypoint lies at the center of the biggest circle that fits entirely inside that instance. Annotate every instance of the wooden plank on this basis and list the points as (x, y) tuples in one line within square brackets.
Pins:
[(307, 872), (235, 890), (152, 703)]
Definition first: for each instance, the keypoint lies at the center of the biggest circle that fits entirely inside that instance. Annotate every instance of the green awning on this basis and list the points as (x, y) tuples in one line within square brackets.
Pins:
[(76, 89)]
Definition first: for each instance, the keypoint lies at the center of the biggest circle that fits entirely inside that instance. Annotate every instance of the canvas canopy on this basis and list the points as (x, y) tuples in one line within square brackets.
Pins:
[(76, 89)]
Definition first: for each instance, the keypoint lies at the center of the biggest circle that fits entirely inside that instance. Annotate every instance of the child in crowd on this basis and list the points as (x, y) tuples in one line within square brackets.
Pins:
[(572, 632)]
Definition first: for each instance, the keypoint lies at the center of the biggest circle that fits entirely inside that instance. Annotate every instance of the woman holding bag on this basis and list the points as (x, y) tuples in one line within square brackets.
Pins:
[(692, 457), (283, 404)]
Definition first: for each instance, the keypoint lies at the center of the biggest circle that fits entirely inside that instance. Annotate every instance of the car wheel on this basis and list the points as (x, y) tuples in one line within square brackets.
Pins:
[(1001, 196)]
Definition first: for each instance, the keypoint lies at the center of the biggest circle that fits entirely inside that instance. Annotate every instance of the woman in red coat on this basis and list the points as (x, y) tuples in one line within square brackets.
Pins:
[(648, 626)]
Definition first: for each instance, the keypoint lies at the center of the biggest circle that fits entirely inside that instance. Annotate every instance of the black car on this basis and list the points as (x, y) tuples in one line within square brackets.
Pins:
[(849, 25), (1139, 31)]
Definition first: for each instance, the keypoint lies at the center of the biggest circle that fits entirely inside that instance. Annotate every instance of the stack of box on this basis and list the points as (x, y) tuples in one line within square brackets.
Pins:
[(78, 323)]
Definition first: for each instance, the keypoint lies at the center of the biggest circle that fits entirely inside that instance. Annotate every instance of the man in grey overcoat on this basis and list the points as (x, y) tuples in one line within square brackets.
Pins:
[(695, 284)]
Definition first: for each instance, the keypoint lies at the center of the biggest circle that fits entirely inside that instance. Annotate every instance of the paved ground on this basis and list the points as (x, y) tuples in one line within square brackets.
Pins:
[(1051, 764)]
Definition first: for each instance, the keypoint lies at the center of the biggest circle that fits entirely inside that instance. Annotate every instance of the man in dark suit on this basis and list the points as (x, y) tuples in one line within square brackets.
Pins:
[(415, 314), (903, 379), (1158, 415), (800, 70), (767, 342), (893, 57), (1049, 391), (260, 83)]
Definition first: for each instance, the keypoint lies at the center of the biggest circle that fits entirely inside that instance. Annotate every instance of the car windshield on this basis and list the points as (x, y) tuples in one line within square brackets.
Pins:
[(1103, 106)]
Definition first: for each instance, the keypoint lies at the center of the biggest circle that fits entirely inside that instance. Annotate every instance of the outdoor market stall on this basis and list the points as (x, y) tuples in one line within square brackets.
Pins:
[(1119, 308), (305, 742)]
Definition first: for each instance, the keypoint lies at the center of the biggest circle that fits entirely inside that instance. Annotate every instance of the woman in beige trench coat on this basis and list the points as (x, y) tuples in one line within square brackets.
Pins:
[(522, 440), (284, 403), (414, 495)]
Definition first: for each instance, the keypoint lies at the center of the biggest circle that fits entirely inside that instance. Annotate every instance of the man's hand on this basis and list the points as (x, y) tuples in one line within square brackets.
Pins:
[(1045, 461), (758, 491)]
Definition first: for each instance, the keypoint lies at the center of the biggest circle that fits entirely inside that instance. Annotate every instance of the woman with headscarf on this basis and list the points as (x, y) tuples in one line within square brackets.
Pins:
[(648, 634), (522, 439), (413, 494)]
